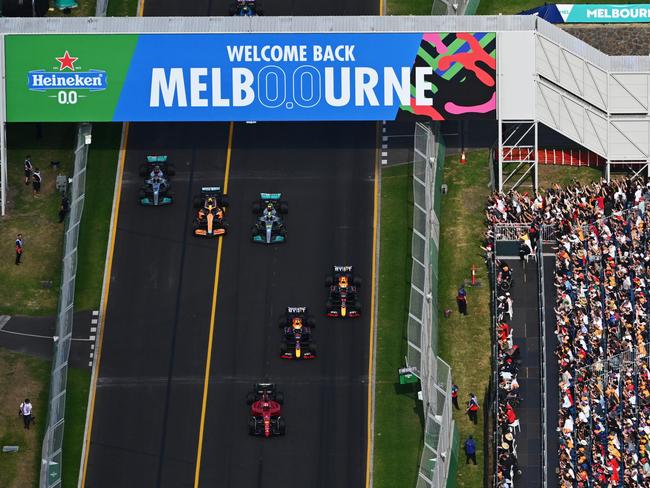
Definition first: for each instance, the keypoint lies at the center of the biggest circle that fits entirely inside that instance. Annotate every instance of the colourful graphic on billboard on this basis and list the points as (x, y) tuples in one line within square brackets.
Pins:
[(241, 77)]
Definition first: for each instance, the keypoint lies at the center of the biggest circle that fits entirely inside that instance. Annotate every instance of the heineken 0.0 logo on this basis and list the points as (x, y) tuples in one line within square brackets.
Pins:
[(66, 80)]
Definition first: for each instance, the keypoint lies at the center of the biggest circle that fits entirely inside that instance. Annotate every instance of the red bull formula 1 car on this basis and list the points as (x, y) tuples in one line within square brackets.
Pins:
[(343, 288), (266, 411), (211, 205), (297, 340)]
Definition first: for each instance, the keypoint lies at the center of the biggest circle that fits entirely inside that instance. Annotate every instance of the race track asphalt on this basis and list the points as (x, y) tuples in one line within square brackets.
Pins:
[(148, 401), (157, 319)]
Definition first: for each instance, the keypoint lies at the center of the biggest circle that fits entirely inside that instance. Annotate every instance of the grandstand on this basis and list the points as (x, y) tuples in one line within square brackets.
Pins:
[(593, 251)]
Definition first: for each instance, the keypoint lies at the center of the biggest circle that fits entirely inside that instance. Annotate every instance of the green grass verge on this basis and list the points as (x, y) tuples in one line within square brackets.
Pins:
[(464, 342), (21, 287), (398, 413), (566, 175), (494, 7), (122, 8), (22, 377), (95, 222), (409, 7), (76, 404)]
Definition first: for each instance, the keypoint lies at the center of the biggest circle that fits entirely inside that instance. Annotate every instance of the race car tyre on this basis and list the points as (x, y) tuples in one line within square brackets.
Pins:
[(197, 201), (250, 398), (329, 281), (328, 304), (170, 170), (142, 194), (225, 201), (282, 426), (313, 348), (251, 426), (311, 322), (279, 397), (259, 12), (282, 322), (358, 307), (144, 169), (357, 282), (283, 348), (283, 208), (257, 207)]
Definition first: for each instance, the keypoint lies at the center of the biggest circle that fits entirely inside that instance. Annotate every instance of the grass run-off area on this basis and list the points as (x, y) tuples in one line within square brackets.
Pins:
[(398, 412), (464, 341), (32, 288), (76, 403), (95, 222), (21, 377), (495, 7)]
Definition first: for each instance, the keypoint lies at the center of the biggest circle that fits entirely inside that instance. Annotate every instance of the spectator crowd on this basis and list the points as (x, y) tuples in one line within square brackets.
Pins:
[(601, 278)]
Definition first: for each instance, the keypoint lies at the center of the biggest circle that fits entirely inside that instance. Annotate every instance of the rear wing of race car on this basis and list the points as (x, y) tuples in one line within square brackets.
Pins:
[(264, 387), (270, 196), (342, 269), (157, 159), (211, 190), (294, 310)]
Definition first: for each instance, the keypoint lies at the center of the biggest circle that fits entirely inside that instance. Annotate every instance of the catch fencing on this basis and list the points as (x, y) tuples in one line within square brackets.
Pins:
[(52, 453), (440, 445)]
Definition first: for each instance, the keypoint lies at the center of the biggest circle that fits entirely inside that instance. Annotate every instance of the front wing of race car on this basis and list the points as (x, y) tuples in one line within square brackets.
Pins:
[(149, 200)]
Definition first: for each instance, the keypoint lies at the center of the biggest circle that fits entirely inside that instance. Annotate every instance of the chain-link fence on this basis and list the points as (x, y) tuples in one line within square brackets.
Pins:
[(434, 373), (454, 7), (52, 453)]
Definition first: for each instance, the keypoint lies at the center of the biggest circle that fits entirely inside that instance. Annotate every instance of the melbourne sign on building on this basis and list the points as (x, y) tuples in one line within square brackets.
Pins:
[(604, 13), (238, 77)]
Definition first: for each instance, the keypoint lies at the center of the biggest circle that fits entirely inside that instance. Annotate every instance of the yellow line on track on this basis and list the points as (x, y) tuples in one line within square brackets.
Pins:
[(371, 347), (215, 290), (107, 285)]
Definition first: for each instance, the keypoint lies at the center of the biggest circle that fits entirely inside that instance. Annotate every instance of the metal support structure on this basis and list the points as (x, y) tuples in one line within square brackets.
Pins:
[(517, 154), (634, 168)]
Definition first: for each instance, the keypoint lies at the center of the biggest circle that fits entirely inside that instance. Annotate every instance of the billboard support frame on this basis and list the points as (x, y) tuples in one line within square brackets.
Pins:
[(515, 151)]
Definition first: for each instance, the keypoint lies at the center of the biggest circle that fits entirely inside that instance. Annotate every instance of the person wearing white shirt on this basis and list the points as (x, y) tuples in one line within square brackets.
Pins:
[(25, 410)]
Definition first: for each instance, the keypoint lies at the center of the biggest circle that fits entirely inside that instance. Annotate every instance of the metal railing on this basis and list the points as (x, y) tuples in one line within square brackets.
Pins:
[(541, 304), (512, 232), (52, 452), (422, 336)]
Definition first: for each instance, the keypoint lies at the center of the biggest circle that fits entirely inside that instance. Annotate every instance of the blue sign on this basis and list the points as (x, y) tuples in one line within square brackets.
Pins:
[(284, 77), (604, 13)]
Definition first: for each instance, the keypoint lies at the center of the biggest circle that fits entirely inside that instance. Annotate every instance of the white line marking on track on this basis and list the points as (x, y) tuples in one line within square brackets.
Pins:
[(95, 313), (3, 320), (93, 329)]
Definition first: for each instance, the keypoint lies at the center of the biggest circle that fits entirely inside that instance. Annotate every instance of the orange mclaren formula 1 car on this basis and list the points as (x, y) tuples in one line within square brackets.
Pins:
[(211, 205), (343, 300)]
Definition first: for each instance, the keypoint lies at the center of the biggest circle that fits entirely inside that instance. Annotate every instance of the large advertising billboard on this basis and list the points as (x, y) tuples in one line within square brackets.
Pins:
[(242, 77)]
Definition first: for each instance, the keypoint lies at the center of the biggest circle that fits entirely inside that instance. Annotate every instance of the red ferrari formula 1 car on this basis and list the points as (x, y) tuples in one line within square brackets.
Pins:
[(266, 411), (343, 288), (297, 342)]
